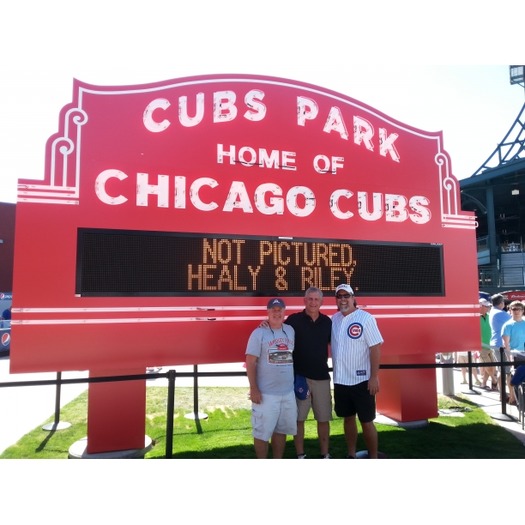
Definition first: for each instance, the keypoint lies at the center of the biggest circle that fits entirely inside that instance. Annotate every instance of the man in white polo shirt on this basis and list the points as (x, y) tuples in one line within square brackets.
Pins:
[(356, 345)]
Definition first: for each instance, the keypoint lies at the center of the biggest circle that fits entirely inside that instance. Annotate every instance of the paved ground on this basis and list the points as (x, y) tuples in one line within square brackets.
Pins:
[(490, 401), (22, 408), (26, 407)]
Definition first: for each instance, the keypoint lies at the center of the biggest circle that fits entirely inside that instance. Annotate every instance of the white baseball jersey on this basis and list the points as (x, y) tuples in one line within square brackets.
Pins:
[(352, 337)]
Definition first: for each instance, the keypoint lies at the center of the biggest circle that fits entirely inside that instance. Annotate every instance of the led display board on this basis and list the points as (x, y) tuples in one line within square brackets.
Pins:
[(138, 263)]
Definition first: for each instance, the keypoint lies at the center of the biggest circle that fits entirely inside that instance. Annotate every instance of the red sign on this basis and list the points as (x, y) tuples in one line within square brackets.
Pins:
[(171, 211)]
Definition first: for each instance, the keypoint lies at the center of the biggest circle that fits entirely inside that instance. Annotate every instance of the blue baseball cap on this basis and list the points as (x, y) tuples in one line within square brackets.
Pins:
[(276, 302)]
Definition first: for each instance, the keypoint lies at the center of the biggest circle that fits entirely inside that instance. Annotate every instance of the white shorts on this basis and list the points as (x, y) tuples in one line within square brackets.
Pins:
[(275, 413)]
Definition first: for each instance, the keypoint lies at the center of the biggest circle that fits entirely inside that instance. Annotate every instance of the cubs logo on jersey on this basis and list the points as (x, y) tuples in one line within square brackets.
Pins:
[(355, 330)]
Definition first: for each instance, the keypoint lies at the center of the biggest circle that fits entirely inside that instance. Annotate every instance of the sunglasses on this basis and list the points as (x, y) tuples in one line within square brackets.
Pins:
[(343, 296), (516, 309)]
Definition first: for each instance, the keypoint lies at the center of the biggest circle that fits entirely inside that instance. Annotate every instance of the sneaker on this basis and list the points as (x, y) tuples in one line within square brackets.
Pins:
[(326, 456), (301, 456)]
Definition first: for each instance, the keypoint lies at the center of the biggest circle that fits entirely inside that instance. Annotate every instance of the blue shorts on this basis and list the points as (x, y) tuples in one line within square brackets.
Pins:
[(275, 413)]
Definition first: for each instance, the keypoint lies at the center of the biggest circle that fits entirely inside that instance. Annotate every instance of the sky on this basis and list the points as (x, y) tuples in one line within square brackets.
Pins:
[(433, 70)]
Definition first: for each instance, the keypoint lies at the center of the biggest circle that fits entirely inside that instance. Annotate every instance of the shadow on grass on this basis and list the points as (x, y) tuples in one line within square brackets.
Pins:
[(45, 441), (434, 442), (442, 438), (438, 441)]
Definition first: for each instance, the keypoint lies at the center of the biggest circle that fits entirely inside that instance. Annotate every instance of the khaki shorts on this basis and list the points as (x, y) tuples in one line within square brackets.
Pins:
[(497, 353), (487, 356), (319, 400)]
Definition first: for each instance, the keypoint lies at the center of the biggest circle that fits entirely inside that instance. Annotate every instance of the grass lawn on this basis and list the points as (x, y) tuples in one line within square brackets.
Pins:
[(465, 432)]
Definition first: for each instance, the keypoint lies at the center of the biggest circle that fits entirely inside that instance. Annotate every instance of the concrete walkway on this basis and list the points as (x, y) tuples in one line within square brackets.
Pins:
[(488, 400)]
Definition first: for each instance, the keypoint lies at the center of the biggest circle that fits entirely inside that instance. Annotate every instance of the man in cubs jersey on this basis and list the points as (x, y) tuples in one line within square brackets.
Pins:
[(356, 346)]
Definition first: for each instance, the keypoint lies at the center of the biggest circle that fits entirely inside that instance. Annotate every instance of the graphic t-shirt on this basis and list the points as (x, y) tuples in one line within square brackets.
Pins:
[(274, 350)]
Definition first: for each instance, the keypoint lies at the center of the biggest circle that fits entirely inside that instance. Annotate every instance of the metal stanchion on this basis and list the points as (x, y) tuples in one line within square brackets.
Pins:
[(503, 416), (470, 390), (196, 414), (57, 424), (447, 375), (171, 409)]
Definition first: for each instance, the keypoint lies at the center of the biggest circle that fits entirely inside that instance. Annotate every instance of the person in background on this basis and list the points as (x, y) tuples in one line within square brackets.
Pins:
[(518, 377), (513, 335), (462, 358), (356, 347), (269, 367), (497, 318), (486, 353), (312, 340)]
